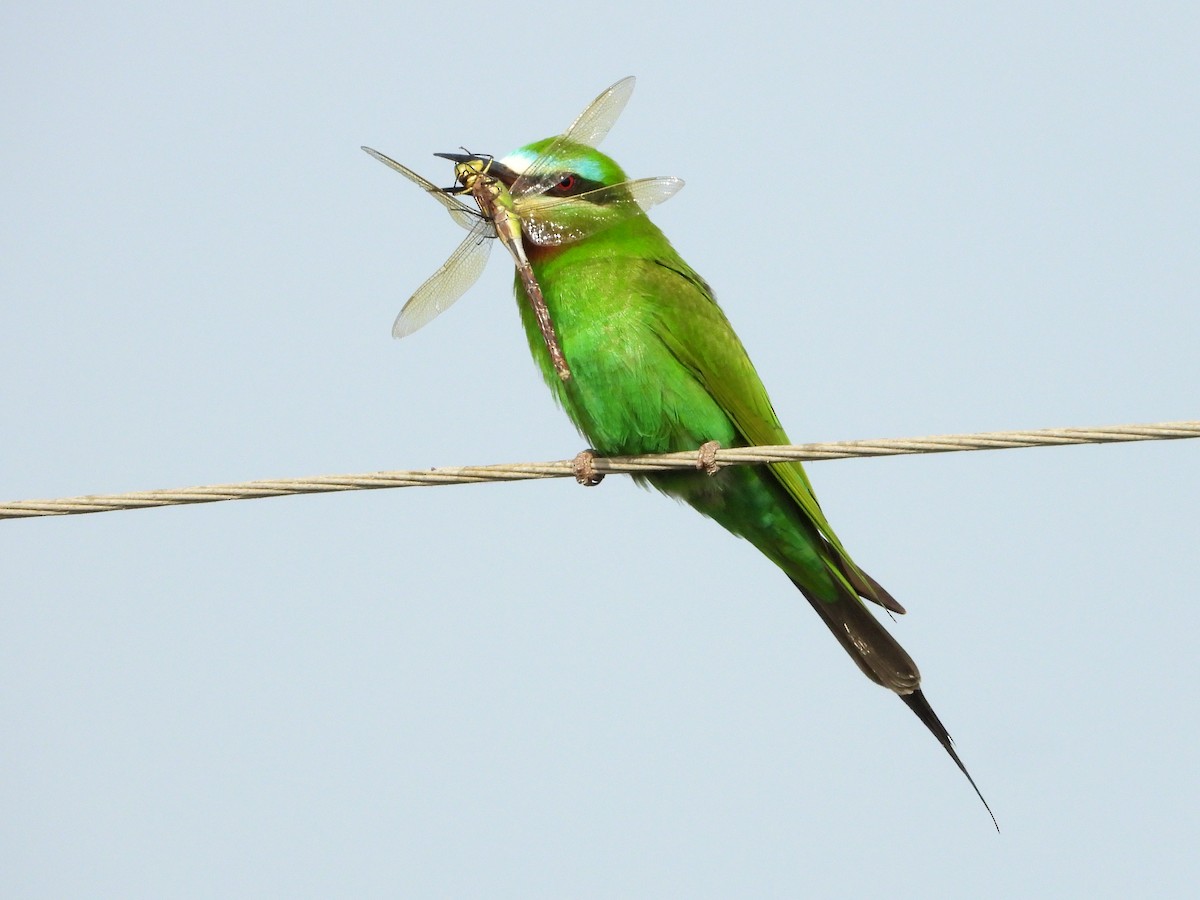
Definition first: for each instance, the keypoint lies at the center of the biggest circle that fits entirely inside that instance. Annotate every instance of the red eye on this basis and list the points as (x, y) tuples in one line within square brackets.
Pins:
[(567, 182)]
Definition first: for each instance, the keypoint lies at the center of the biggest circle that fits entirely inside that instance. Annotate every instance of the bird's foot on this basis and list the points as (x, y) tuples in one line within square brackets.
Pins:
[(706, 458), (584, 468)]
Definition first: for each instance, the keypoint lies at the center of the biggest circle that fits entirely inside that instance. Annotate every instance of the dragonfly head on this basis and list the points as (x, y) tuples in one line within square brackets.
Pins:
[(469, 166)]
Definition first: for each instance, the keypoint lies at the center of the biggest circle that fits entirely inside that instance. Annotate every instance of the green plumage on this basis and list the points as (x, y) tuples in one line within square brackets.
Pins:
[(656, 368), (636, 350)]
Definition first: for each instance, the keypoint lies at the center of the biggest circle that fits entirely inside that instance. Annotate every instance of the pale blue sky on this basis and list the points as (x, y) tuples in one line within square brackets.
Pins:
[(921, 221)]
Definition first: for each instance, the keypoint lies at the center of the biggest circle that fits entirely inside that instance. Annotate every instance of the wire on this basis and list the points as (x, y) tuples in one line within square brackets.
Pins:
[(588, 468)]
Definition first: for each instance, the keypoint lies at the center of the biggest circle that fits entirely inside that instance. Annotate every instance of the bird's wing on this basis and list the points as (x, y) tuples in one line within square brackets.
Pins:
[(697, 333)]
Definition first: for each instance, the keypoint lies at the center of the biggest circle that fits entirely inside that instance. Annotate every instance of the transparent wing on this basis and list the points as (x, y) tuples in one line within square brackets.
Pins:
[(589, 129), (591, 125), (448, 283), (459, 211), (550, 221)]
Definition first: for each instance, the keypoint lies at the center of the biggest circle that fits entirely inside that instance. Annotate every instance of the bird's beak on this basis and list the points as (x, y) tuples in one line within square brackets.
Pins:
[(492, 167), (460, 157)]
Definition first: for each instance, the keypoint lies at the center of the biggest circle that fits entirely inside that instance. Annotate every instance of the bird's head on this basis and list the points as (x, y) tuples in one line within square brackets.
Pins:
[(576, 192), (580, 169), (565, 198)]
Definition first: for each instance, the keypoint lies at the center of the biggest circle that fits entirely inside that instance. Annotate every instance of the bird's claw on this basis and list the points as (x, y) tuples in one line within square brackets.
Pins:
[(706, 458), (584, 468)]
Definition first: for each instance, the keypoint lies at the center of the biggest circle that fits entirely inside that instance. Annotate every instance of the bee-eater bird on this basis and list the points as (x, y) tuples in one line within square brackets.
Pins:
[(655, 367)]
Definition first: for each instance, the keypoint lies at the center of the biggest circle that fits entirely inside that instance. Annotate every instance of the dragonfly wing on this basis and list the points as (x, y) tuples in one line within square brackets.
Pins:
[(589, 129), (594, 123), (448, 283), (461, 213), (644, 192), (553, 221)]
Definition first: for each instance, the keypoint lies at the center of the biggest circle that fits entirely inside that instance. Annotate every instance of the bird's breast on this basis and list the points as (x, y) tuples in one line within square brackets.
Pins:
[(628, 393)]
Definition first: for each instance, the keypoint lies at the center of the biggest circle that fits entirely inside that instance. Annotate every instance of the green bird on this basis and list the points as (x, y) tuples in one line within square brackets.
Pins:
[(655, 367)]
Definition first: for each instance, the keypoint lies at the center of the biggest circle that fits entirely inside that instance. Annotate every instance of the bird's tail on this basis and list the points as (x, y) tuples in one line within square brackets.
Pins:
[(885, 662), (877, 653)]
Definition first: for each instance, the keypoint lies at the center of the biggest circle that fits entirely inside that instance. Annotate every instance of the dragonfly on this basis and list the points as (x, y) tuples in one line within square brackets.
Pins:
[(519, 206)]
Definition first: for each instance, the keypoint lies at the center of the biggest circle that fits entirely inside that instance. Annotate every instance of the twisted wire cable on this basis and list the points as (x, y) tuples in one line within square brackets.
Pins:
[(706, 458)]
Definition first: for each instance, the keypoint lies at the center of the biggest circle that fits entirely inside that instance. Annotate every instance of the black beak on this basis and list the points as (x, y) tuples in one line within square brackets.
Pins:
[(506, 175), (461, 157)]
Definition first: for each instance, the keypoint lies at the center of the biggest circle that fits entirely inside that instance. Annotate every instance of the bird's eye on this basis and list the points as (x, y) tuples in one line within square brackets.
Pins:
[(565, 184)]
